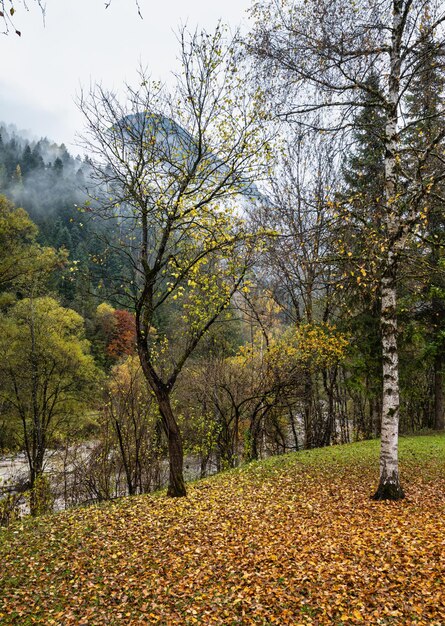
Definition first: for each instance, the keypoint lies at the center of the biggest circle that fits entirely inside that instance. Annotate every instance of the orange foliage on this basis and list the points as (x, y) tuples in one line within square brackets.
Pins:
[(295, 542), (123, 336)]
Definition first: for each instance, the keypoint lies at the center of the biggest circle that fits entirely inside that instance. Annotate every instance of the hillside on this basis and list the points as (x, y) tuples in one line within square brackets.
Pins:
[(293, 540), (48, 182)]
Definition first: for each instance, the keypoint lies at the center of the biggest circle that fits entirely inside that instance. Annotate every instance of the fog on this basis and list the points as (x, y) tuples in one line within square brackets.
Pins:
[(81, 43)]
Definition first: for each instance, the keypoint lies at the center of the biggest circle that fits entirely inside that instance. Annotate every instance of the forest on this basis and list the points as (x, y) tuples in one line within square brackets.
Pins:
[(222, 331), (245, 264)]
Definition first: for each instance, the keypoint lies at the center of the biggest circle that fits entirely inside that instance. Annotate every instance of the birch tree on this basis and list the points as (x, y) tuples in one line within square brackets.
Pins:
[(323, 52)]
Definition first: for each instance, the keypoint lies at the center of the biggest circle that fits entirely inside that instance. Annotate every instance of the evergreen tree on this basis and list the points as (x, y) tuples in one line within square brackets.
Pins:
[(3, 174), (27, 162), (58, 167), (425, 104), (359, 218), (37, 160)]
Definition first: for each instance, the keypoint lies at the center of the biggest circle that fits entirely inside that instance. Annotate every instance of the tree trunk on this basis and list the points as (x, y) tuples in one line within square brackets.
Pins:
[(176, 483), (251, 447), (389, 487), (293, 427), (308, 412), (439, 421), (131, 486), (38, 439)]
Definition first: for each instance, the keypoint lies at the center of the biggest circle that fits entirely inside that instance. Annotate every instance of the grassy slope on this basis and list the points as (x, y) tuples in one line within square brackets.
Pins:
[(293, 540)]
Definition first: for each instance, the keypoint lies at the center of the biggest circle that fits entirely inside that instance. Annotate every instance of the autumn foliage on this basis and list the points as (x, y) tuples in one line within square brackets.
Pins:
[(123, 336), (116, 332), (293, 540)]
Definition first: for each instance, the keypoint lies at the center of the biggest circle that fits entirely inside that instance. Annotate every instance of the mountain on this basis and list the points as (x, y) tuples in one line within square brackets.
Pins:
[(177, 147)]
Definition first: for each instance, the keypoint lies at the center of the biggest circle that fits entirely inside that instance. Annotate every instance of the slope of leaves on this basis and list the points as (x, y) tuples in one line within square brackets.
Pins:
[(294, 540)]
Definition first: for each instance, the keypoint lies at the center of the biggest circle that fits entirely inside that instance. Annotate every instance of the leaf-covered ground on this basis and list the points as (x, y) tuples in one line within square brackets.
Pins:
[(294, 540)]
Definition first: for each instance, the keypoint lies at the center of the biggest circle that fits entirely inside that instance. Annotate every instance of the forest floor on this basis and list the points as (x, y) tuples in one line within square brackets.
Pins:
[(291, 540)]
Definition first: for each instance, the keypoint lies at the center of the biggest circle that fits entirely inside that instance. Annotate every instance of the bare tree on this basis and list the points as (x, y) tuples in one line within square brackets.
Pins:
[(297, 268), (298, 261)]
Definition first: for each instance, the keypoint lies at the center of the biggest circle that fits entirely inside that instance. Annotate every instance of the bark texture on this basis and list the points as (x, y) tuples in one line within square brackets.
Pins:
[(389, 485), (176, 482)]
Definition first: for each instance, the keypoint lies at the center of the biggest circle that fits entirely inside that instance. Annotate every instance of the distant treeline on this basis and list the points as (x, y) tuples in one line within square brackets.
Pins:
[(50, 184)]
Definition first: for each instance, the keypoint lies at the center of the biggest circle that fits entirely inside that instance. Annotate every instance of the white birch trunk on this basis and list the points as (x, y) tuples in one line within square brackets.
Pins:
[(389, 486)]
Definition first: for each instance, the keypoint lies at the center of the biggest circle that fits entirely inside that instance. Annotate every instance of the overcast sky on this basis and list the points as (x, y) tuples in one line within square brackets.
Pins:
[(82, 42)]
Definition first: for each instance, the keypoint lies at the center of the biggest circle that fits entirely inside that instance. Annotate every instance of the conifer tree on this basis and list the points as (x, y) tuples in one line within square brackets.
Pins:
[(359, 214), (425, 103)]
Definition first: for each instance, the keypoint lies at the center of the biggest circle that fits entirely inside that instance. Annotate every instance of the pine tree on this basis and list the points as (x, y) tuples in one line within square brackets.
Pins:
[(58, 167), (425, 104), (359, 218), (27, 162)]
